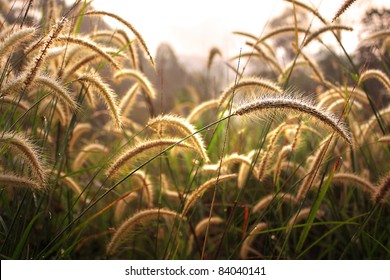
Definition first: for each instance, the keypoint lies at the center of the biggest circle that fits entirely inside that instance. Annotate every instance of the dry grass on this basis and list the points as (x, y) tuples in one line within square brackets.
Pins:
[(307, 178)]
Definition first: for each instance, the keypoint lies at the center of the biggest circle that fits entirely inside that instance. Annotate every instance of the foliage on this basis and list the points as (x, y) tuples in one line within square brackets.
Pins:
[(266, 169)]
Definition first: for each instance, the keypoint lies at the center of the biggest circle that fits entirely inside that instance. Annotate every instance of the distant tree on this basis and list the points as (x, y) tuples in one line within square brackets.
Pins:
[(369, 54), (169, 77), (282, 43), (374, 20)]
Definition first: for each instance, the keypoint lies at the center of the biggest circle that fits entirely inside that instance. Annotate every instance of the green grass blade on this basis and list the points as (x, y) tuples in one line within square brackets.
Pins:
[(23, 239), (315, 208), (80, 20), (338, 225)]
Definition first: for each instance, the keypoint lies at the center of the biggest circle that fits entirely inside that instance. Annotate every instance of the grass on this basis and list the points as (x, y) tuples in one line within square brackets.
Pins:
[(260, 171)]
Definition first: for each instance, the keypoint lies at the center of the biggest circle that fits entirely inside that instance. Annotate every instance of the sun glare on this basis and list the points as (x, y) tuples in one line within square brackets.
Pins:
[(194, 27)]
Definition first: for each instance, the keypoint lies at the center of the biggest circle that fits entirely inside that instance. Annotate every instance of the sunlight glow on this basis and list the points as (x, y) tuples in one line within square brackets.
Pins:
[(193, 27)]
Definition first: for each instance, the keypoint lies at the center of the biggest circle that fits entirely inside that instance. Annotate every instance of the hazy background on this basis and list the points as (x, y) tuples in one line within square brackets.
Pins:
[(193, 27)]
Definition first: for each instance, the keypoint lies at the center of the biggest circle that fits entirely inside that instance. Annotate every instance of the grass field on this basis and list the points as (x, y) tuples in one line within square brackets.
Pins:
[(259, 169)]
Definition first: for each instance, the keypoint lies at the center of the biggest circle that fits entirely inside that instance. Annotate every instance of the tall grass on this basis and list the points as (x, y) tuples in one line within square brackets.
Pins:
[(259, 171)]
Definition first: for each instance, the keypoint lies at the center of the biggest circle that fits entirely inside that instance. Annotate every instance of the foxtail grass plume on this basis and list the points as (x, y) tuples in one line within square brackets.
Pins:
[(290, 104), (201, 228), (73, 185), (15, 39), (353, 180), (261, 86), (140, 178), (195, 195), (382, 189), (12, 180), (135, 153), (180, 128), (308, 8), (246, 246), (128, 100), (142, 217), (13, 101), (128, 25), (282, 155), (78, 130), (132, 49), (201, 108), (24, 148), (343, 8), (300, 216), (376, 74), (140, 78), (45, 82), (212, 54), (107, 94), (273, 198), (89, 45), (384, 139), (325, 29), (36, 64), (326, 146), (121, 206), (86, 152), (263, 165)]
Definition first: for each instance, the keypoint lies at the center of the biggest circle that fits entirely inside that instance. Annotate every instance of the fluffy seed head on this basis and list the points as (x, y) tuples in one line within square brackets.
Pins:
[(180, 128), (382, 189), (128, 25), (140, 78), (86, 152), (289, 103), (261, 86), (301, 215), (265, 201), (12, 180), (246, 245), (140, 151), (141, 217), (195, 195), (23, 147), (107, 94), (89, 45), (15, 39)]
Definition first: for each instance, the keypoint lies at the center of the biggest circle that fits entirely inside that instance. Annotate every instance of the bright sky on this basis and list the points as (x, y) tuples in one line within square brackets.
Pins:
[(193, 27)]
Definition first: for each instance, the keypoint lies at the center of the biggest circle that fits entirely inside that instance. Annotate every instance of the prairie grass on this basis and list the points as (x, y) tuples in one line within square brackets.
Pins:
[(289, 161)]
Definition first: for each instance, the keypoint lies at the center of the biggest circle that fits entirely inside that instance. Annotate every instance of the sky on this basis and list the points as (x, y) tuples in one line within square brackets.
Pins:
[(194, 27)]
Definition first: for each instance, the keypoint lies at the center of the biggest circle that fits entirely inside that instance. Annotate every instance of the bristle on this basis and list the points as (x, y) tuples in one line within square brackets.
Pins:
[(23, 147), (15, 39), (212, 54), (141, 217), (144, 149), (35, 65), (195, 195), (325, 29), (107, 94), (343, 8), (300, 216), (140, 78), (86, 152), (382, 189), (203, 107), (375, 74), (246, 245), (276, 198), (90, 45), (181, 128), (128, 25), (11, 180), (261, 86), (290, 103)]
